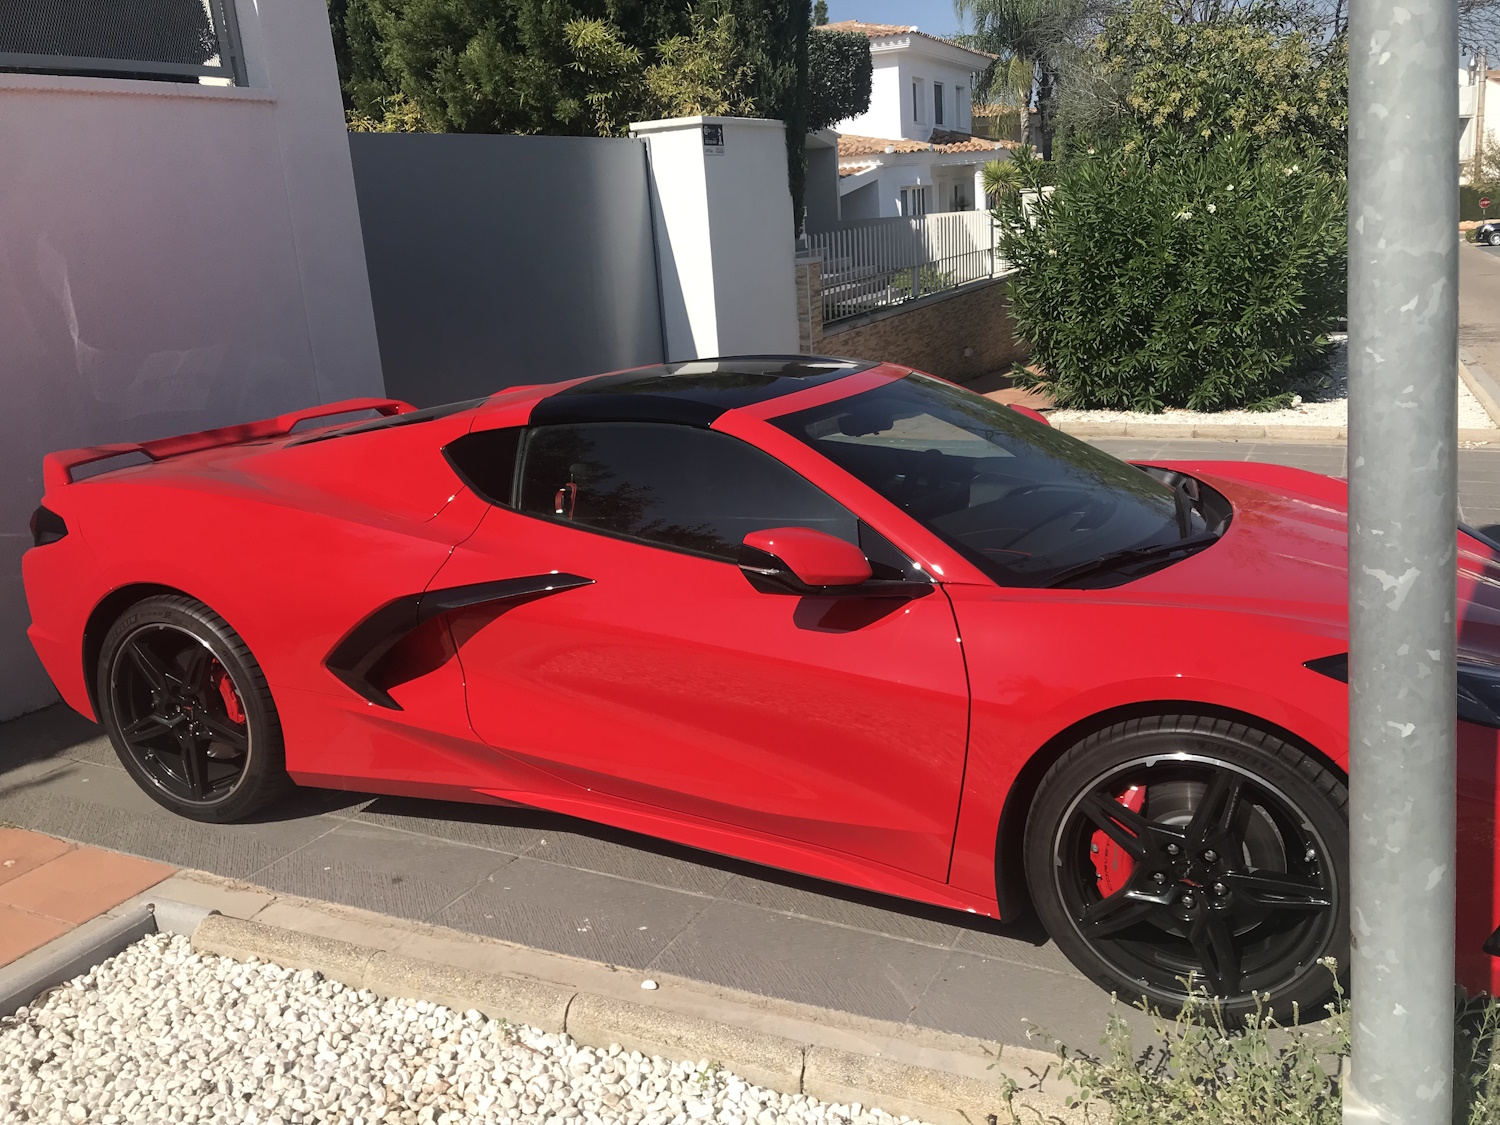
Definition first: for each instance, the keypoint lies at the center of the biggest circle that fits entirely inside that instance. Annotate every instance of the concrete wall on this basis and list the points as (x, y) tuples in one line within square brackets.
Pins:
[(821, 197), (172, 257), (500, 260), (961, 334), (724, 236)]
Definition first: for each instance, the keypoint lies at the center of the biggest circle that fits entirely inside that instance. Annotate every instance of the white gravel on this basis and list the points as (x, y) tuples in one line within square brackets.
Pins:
[(163, 1034), (1324, 401)]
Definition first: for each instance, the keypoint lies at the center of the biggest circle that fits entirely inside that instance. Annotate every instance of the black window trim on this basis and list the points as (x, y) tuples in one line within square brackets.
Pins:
[(514, 503)]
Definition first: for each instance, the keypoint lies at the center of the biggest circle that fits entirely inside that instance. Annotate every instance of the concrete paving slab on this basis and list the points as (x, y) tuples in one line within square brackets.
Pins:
[(760, 950), (846, 907), (382, 869), (239, 851), (21, 851), (581, 913), (482, 826), (628, 856), (81, 883)]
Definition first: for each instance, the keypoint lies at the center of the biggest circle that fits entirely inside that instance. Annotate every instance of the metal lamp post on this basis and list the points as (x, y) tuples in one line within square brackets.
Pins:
[(1403, 324)]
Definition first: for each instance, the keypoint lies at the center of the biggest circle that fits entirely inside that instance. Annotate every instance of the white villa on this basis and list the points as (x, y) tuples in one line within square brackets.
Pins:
[(1478, 106), (912, 152)]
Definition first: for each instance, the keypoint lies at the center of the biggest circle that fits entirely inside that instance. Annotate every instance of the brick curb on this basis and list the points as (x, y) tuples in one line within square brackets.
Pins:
[(937, 1093)]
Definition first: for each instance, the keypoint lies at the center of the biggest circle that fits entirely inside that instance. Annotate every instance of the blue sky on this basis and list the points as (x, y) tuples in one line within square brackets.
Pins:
[(935, 16)]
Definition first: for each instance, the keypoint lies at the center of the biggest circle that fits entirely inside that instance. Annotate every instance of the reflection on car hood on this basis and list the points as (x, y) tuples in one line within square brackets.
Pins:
[(1286, 554)]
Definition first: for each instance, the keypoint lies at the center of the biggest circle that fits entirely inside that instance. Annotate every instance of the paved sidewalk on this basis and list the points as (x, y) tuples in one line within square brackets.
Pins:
[(48, 886), (568, 887)]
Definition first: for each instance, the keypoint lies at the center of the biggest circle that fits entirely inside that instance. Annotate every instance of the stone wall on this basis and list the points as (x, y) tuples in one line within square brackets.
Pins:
[(960, 334)]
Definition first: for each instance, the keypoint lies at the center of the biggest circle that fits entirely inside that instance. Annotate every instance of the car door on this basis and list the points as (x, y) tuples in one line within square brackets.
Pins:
[(652, 672)]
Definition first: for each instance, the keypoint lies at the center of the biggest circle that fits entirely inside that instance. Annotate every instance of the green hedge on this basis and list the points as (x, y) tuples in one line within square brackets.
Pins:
[(1179, 274)]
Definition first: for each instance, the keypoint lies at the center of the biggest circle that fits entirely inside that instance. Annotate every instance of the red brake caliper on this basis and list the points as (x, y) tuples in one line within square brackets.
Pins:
[(232, 706), (1112, 862)]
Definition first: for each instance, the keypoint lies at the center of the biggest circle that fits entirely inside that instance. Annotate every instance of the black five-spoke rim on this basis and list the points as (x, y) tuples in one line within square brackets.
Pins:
[(1213, 874), (180, 714)]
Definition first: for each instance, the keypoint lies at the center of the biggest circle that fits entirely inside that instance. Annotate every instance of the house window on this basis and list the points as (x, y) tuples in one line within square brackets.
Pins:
[(913, 201), (916, 102), (937, 103), (164, 41)]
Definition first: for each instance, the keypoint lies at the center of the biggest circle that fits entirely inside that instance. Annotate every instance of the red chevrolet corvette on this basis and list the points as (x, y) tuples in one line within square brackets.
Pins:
[(843, 619)]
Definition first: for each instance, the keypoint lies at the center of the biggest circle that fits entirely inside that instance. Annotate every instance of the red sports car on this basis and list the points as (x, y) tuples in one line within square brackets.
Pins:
[(839, 618)]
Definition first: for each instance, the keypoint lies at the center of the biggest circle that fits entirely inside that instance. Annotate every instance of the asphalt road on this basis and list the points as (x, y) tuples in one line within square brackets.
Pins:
[(1479, 306)]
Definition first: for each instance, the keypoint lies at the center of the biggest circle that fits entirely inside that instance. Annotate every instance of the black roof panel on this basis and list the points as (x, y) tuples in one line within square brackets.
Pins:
[(693, 392)]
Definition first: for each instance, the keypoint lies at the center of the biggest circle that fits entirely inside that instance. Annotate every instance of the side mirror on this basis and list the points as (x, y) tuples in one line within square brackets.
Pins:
[(1034, 415), (799, 560)]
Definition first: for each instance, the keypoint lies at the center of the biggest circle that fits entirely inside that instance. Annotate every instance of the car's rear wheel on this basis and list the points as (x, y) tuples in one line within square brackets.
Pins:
[(1185, 847), (188, 710)]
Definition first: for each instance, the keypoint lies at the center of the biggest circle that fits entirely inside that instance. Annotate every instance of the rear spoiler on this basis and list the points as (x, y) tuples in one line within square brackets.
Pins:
[(57, 468)]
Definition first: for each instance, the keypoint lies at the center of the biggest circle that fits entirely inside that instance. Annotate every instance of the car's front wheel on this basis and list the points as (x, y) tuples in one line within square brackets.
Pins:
[(1182, 847), (1495, 238), (188, 710)]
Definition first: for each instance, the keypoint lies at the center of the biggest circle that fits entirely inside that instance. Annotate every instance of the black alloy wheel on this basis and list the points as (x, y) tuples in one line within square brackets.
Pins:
[(1181, 848), (188, 711)]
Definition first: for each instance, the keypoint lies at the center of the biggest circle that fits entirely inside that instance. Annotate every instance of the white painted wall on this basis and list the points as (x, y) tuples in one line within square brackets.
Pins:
[(724, 236), (889, 104), (172, 257)]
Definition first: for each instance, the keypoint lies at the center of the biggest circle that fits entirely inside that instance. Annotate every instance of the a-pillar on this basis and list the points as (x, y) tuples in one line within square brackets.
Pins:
[(725, 244)]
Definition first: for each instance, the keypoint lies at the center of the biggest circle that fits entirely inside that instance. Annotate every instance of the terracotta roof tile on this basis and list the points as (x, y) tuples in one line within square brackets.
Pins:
[(886, 30), (943, 140)]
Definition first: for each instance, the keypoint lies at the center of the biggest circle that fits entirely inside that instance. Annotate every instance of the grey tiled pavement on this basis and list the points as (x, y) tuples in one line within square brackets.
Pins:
[(566, 886)]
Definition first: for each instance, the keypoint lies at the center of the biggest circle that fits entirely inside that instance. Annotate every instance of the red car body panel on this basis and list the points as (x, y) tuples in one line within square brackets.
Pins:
[(875, 743)]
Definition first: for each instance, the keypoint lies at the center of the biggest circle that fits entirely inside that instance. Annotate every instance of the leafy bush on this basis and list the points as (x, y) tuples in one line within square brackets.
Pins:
[(1176, 273), (1199, 1071)]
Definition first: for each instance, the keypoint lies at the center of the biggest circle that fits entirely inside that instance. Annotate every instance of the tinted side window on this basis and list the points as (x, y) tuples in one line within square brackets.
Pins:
[(486, 462), (685, 488)]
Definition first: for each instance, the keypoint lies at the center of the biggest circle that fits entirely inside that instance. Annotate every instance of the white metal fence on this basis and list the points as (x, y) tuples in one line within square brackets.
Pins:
[(879, 262)]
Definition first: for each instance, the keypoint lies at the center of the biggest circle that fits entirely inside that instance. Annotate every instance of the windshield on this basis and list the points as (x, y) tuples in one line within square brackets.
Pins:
[(1025, 502)]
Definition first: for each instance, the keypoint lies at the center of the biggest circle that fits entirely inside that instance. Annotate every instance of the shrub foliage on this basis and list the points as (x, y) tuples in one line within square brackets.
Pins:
[(1176, 271)]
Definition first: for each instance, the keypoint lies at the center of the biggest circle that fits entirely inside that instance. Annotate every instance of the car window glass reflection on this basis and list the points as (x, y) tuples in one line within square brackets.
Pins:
[(677, 486), (1022, 500)]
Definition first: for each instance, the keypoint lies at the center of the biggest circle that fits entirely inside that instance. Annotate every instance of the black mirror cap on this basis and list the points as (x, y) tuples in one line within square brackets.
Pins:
[(46, 527)]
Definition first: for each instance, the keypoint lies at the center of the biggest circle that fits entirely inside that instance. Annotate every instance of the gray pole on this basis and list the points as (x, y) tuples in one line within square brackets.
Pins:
[(1403, 384)]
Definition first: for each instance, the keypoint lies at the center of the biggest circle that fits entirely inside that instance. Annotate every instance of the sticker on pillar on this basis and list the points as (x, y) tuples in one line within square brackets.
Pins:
[(713, 139)]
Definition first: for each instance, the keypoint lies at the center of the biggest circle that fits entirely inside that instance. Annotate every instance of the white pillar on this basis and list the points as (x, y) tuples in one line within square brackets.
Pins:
[(725, 245)]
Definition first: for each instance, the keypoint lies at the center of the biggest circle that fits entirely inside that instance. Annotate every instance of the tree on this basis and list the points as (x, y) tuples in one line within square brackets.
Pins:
[(1261, 71), (839, 75), (1034, 41), (820, 13), (589, 67)]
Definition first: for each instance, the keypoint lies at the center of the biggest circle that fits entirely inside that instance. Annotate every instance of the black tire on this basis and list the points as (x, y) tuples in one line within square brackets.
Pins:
[(1253, 898), (1495, 238), (204, 751)]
